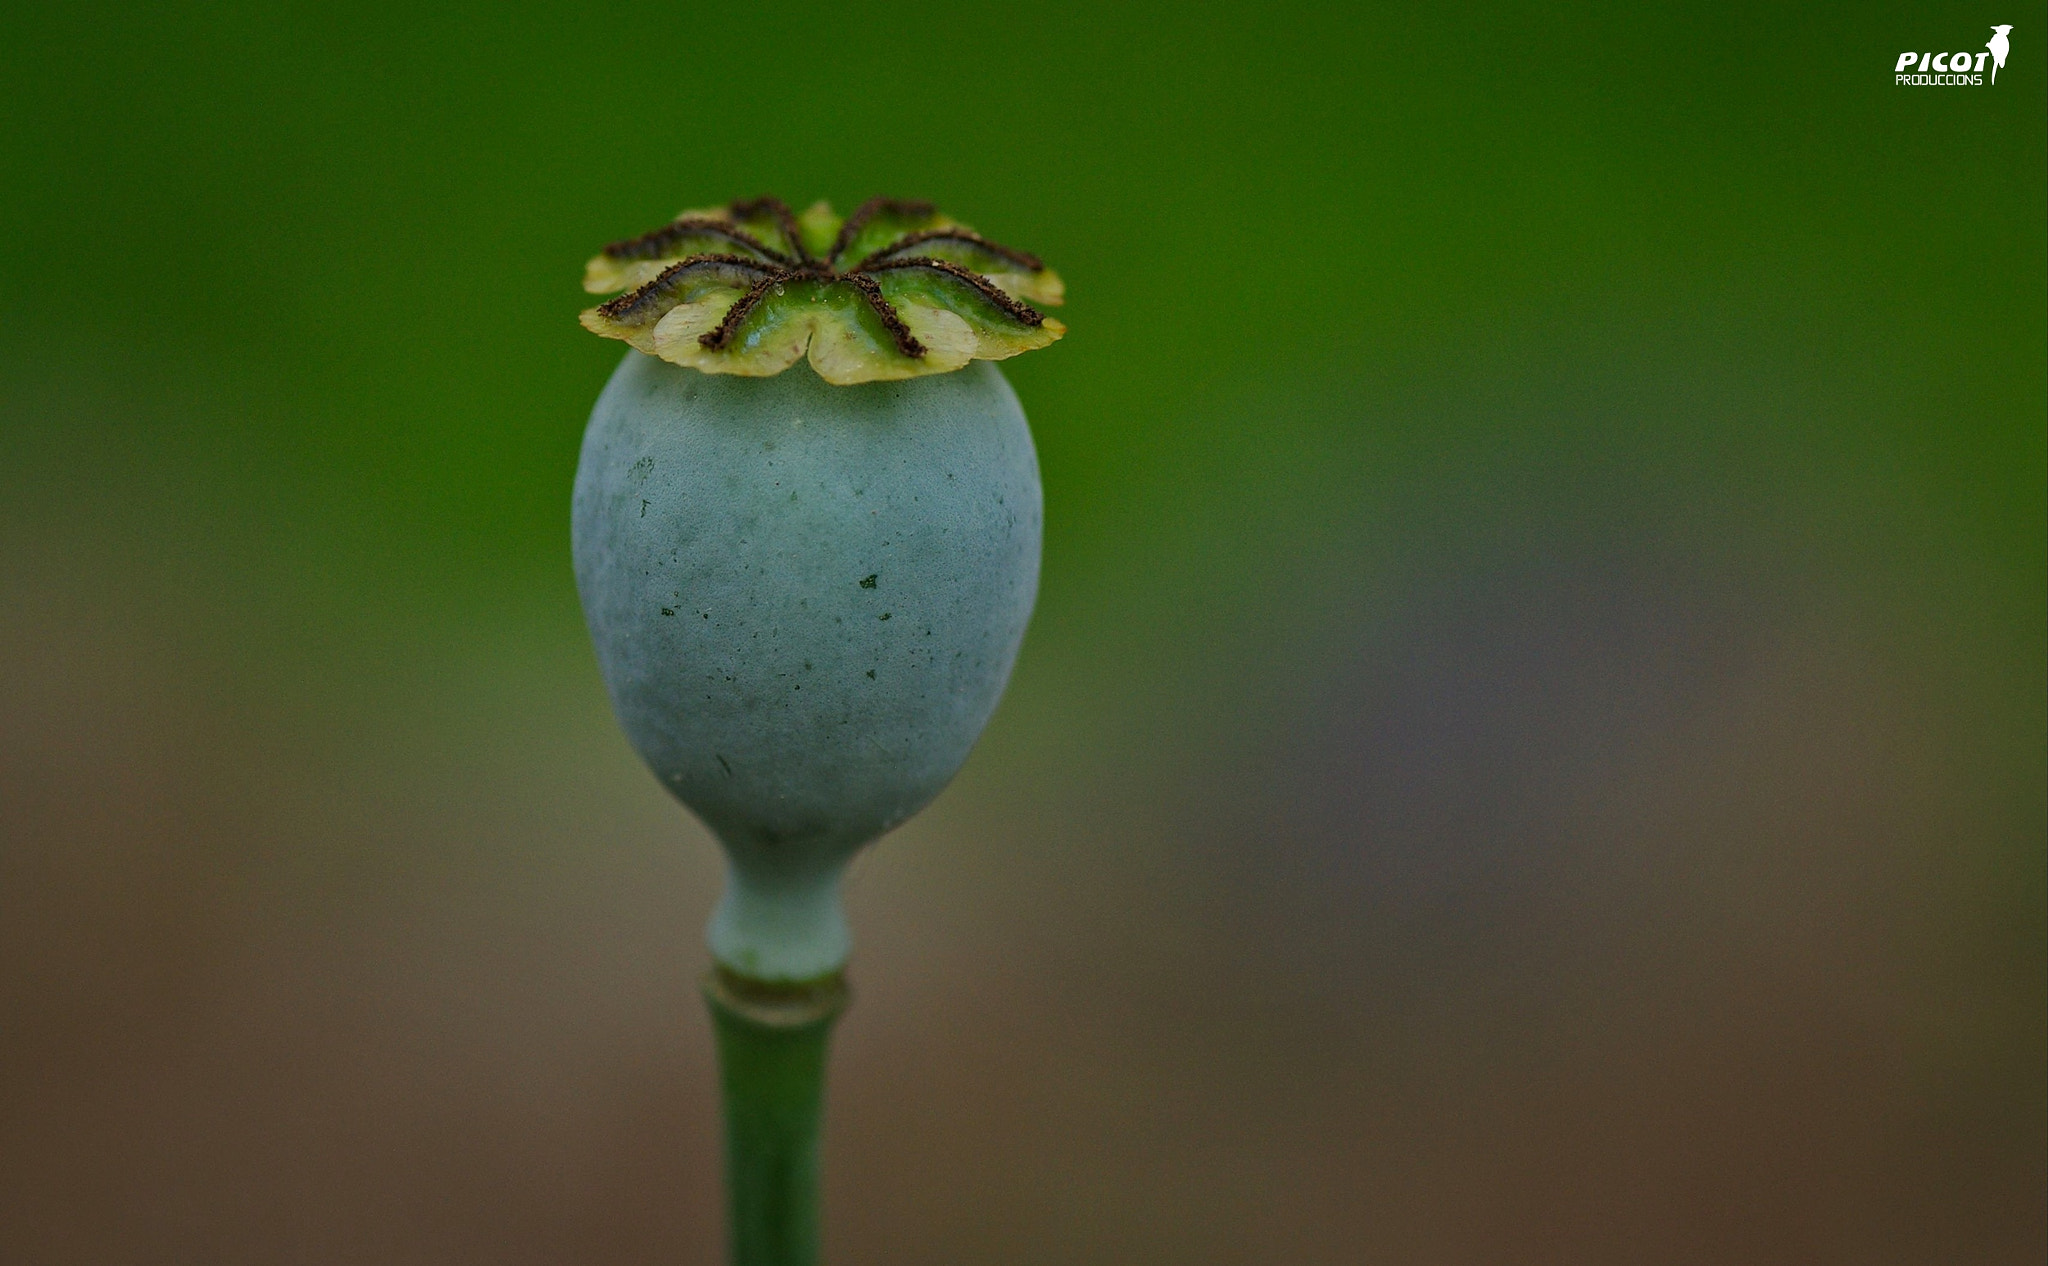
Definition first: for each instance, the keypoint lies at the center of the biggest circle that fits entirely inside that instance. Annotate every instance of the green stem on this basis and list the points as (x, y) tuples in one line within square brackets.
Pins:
[(771, 1058)]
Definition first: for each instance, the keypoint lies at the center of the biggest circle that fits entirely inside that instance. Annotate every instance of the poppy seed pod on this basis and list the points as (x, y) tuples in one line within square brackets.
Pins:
[(806, 529), (806, 600)]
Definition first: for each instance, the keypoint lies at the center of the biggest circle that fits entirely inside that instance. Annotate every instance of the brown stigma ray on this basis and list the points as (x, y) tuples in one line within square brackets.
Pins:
[(891, 320), (869, 210), (1021, 312), (717, 339), (785, 220), (1023, 259), (737, 271), (655, 244)]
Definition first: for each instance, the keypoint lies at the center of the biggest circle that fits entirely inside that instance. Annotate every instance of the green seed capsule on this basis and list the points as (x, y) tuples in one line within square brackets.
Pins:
[(806, 600)]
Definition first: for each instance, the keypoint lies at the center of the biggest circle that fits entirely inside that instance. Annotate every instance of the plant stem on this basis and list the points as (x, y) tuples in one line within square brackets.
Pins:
[(771, 1056)]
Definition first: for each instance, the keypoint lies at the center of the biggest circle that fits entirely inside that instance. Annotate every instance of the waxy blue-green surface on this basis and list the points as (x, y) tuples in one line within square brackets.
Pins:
[(806, 600)]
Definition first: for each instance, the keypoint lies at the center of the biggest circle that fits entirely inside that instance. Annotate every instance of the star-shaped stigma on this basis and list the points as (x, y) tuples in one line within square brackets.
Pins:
[(895, 290)]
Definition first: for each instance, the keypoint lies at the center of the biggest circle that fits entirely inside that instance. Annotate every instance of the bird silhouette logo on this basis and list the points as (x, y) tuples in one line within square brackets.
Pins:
[(1999, 48)]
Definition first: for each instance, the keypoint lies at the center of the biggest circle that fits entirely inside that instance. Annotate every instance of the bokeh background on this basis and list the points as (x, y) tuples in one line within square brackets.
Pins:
[(1531, 748)]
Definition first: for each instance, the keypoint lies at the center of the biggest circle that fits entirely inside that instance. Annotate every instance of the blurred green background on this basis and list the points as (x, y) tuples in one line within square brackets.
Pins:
[(1531, 747)]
